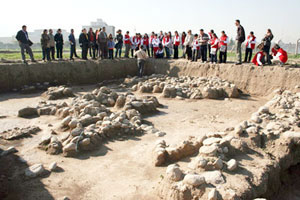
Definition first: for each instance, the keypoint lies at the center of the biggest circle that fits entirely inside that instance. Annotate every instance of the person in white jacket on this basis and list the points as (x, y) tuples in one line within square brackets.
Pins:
[(188, 43), (155, 44)]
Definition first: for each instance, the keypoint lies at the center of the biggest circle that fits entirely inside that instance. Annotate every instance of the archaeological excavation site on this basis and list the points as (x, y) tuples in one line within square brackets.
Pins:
[(93, 130)]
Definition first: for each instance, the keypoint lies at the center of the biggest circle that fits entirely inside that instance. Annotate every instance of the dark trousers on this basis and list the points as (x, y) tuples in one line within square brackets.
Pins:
[(111, 53), (203, 52), (92, 51), (73, 51), (223, 57), (175, 52), (119, 50), (103, 50), (59, 51), (26, 48), (267, 51), (209, 49), (141, 64), (152, 51), (167, 52), (84, 51), (195, 55), (146, 47), (213, 57), (46, 53), (52, 52), (189, 52), (248, 53)]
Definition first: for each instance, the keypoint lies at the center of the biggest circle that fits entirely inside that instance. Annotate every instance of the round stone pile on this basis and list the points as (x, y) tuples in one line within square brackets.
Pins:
[(94, 117)]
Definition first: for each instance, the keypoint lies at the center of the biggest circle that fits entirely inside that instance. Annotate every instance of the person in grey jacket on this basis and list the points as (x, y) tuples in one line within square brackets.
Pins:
[(240, 38), (102, 41), (52, 44), (203, 40)]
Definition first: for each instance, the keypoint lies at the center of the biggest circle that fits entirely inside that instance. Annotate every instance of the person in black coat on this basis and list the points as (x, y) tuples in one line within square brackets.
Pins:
[(84, 44), (267, 45), (25, 43), (59, 44)]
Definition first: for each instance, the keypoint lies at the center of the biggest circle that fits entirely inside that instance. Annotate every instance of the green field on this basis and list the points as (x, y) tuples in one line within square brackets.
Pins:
[(15, 55)]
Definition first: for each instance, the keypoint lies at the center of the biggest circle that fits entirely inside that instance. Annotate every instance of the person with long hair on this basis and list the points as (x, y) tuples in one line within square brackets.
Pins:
[(267, 45), (183, 35), (145, 43), (214, 43), (176, 44)]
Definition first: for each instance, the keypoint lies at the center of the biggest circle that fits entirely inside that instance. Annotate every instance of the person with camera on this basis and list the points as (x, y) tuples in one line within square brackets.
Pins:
[(25, 43)]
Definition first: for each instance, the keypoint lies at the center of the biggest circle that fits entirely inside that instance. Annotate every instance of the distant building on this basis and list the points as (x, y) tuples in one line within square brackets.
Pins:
[(99, 24)]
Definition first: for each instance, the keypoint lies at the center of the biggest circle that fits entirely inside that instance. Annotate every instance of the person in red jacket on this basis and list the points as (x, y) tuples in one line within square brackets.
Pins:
[(250, 46), (176, 43), (145, 43), (127, 43), (279, 55), (223, 47), (259, 58), (214, 43)]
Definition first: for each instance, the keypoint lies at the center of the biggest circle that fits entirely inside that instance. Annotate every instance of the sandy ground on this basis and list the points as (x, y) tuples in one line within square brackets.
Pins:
[(119, 169)]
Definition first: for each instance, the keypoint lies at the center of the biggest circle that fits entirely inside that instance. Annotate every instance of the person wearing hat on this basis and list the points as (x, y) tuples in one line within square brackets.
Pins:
[(258, 59), (119, 43), (279, 55), (59, 39)]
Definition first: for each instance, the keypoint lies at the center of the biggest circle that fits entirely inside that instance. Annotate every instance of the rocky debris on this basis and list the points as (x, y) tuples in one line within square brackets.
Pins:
[(17, 133), (27, 112), (164, 154), (54, 93), (90, 120), (264, 145), (186, 87), (35, 170), (8, 151)]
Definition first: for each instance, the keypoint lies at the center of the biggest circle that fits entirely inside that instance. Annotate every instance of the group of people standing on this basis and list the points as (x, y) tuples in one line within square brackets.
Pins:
[(98, 44)]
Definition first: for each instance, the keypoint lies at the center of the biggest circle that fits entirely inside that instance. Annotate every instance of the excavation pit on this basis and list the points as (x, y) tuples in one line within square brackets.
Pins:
[(122, 166)]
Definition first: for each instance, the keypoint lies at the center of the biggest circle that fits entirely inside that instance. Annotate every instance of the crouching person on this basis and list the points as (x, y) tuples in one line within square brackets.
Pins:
[(280, 56), (141, 59), (259, 58)]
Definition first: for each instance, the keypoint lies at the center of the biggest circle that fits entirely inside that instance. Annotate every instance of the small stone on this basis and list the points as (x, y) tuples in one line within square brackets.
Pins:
[(218, 164), (213, 194), (174, 173), (211, 140), (256, 119), (34, 170), (208, 150), (213, 177), (53, 166), (10, 150), (194, 179), (232, 165), (263, 109), (238, 130), (66, 120), (27, 112), (160, 134)]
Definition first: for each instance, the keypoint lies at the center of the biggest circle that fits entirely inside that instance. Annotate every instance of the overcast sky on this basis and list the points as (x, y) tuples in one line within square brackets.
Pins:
[(282, 16)]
